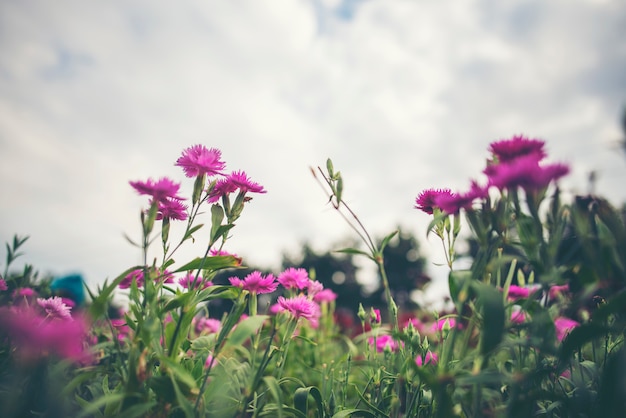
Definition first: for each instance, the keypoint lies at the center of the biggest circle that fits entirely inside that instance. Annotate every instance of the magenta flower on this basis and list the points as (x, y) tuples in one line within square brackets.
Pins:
[(325, 295), (25, 292), (518, 292), (384, 341), (207, 325), (563, 327), (198, 160), (190, 282), (294, 278), (555, 291), (452, 203), (55, 308), (524, 172), (314, 287), (518, 317), (166, 277), (172, 209), (509, 149), (35, 336), (135, 275), (426, 200), (300, 307), (160, 190), (237, 180), (440, 324), (429, 358), (3, 285), (256, 283)]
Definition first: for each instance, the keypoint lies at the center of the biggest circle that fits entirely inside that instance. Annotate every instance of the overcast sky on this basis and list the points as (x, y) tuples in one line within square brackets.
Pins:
[(402, 95)]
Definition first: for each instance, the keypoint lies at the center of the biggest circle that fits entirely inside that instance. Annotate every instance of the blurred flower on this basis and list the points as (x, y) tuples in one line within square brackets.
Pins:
[(518, 292), (300, 307), (375, 316), (314, 287), (160, 190), (524, 172), (172, 209), (518, 317), (294, 278), (425, 201), (198, 160), (384, 341), (452, 203), (556, 291), (429, 358), (207, 325), (509, 149), (55, 308), (190, 281), (35, 336), (209, 361), (255, 282), (442, 324), (325, 295), (3, 285), (564, 326), (135, 275)]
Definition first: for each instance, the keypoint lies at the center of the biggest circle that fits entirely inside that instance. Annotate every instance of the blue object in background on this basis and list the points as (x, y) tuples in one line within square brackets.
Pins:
[(71, 287)]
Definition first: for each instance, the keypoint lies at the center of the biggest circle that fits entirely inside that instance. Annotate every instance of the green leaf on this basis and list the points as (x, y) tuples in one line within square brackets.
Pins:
[(489, 299), (191, 231), (213, 263), (355, 252), (386, 240), (274, 388), (359, 412), (99, 304), (246, 329), (301, 400)]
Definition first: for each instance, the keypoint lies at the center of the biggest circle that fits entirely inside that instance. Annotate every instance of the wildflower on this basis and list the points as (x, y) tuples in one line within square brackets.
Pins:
[(123, 330), (426, 200), (375, 316), (443, 324), (190, 282), (325, 295), (293, 278), (135, 275), (166, 276), (55, 308), (518, 317), (34, 336), (3, 285), (237, 180), (25, 292), (518, 292), (509, 149), (452, 203), (256, 283), (313, 288), (160, 190), (209, 361), (384, 342), (556, 291), (207, 325), (171, 209), (563, 327), (197, 160), (524, 172), (300, 307), (429, 358)]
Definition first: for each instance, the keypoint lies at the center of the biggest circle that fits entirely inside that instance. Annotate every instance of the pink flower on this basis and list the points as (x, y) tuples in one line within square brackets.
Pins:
[(207, 325), (237, 180), (564, 326), (166, 277), (55, 308), (123, 330), (325, 295), (172, 209), (384, 341), (190, 282), (160, 190), (509, 149), (197, 160), (518, 317), (556, 291), (426, 200), (314, 287), (524, 172), (293, 278), (441, 323), (36, 336), (300, 307), (376, 316), (25, 292), (255, 282), (3, 285), (452, 203), (429, 358), (135, 275), (209, 361), (518, 292)]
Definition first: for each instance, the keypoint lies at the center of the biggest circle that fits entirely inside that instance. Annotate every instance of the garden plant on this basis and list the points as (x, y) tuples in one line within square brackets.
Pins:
[(535, 325)]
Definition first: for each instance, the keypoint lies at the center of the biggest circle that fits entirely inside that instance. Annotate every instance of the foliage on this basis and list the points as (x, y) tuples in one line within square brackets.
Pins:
[(537, 327)]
